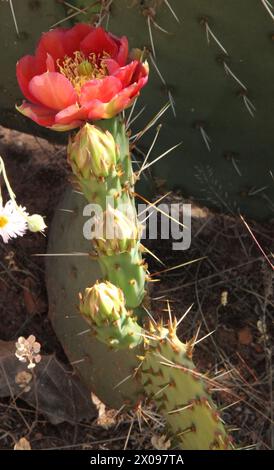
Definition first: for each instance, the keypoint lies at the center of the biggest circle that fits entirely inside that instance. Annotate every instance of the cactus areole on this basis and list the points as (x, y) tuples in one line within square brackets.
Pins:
[(78, 76)]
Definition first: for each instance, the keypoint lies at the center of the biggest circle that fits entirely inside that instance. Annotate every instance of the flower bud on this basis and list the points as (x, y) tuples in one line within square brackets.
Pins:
[(119, 232), (36, 223), (92, 151), (102, 304)]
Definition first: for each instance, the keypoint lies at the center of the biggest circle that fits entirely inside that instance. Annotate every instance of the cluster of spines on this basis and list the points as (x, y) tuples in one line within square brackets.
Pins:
[(181, 393)]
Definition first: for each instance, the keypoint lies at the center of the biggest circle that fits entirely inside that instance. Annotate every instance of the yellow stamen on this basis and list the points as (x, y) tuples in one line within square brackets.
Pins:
[(3, 221), (80, 69)]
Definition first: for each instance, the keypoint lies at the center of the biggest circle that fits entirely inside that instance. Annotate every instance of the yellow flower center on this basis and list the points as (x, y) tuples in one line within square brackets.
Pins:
[(3, 221), (80, 69)]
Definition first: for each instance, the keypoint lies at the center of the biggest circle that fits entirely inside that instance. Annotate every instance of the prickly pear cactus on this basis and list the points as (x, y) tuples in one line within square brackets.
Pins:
[(116, 344), (215, 66), (154, 363)]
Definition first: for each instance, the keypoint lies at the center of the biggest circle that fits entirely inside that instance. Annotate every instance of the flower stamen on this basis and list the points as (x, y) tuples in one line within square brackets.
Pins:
[(3, 221), (80, 69)]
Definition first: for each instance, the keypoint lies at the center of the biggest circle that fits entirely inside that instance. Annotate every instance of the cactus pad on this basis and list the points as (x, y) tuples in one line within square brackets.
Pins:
[(181, 392)]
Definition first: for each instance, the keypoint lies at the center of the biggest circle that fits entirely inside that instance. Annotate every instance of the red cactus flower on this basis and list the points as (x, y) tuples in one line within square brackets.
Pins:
[(76, 75)]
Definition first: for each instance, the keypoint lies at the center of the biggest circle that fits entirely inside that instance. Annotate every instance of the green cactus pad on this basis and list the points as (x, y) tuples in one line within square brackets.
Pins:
[(181, 393), (126, 271), (96, 190), (222, 101), (100, 367)]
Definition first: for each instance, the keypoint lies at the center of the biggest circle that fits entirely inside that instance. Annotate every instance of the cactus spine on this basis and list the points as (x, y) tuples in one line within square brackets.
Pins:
[(163, 364)]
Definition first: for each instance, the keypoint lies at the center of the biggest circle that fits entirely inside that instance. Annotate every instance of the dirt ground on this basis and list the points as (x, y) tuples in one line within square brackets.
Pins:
[(231, 291)]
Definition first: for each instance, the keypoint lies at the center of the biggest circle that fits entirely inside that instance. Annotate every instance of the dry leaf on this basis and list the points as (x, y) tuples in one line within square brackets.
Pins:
[(160, 442), (55, 391), (106, 418), (22, 444), (245, 336)]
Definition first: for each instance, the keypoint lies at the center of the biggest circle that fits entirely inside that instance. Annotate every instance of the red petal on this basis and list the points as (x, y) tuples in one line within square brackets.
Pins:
[(140, 71), (140, 84), (131, 91), (72, 113), (60, 42), (53, 90), (99, 110), (123, 52), (125, 74), (103, 89), (98, 41), (96, 110), (40, 114), (25, 71), (112, 65), (80, 30), (45, 117), (51, 43), (74, 36), (124, 99)]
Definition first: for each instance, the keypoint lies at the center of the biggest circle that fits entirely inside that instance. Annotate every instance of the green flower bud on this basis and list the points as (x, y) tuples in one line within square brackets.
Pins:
[(36, 223), (102, 304), (119, 233), (92, 151)]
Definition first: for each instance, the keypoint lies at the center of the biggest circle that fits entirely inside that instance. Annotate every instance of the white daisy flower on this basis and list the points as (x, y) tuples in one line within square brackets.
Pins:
[(13, 221)]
